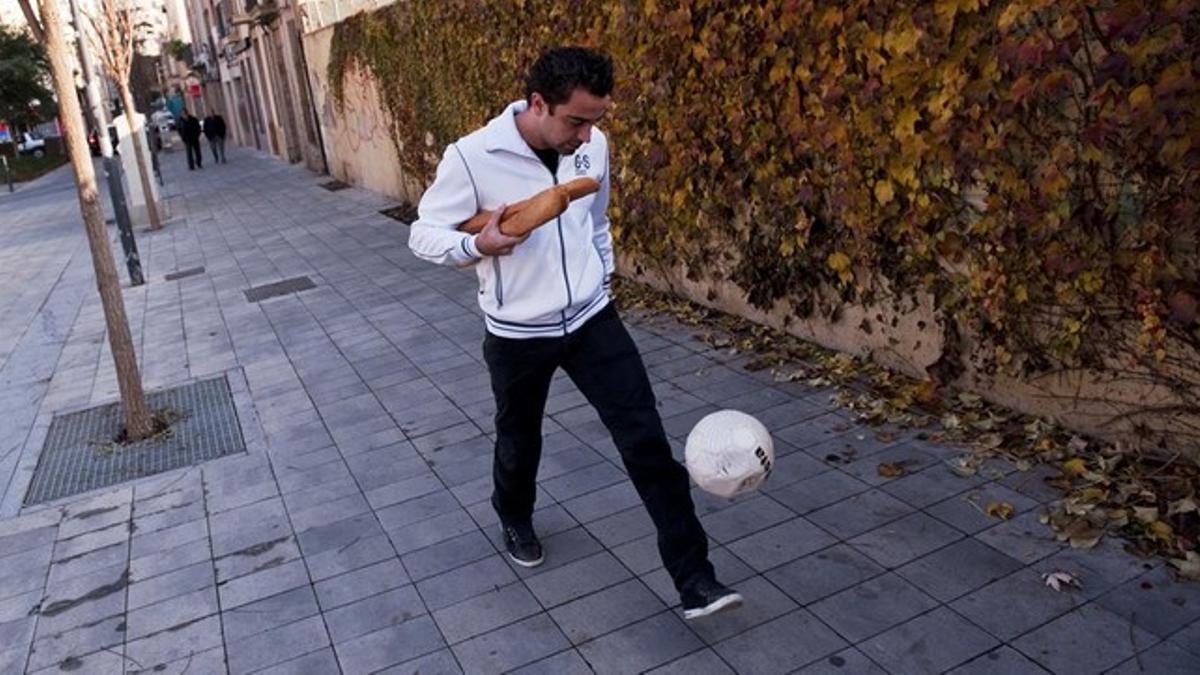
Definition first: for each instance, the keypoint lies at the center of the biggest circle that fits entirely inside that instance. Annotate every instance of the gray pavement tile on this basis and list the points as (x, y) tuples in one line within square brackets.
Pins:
[(1155, 602), (621, 527), (431, 531), (162, 562), (744, 518), (178, 610), (441, 662), (69, 568), (906, 539), (177, 582), (22, 605), (374, 612), (360, 583), (447, 555), (84, 543), (149, 543), (276, 645), (464, 582), (23, 565), (416, 510), (958, 569), (792, 467), (1032, 483), (389, 646), (83, 599), (35, 520), (575, 579), (1104, 566), (641, 646), (1022, 538), (925, 488), (103, 661), (640, 555), (160, 520), (1188, 638), (386, 466), (34, 538), (603, 502), (1163, 658), (272, 612), (968, 511), (418, 485), (258, 557), (912, 457), (339, 535), (1089, 639), (1016, 604), (824, 573), (760, 649), (582, 481), (930, 643), (782, 543), (859, 513), (510, 647), (263, 584), (55, 648), (358, 552), (846, 661), (320, 662), (763, 602), (325, 512), (1003, 660), (18, 632), (567, 662), (872, 607), (96, 513), (827, 426), (703, 662), (565, 461), (486, 612), (602, 612), (174, 644)]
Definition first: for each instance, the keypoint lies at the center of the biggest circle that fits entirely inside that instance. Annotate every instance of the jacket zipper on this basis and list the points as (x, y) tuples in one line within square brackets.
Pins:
[(562, 247)]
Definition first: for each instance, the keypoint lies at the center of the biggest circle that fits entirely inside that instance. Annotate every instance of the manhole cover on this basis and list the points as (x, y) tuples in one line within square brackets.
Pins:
[(334, 185), (278, 288), (79, 454), (183, 274)]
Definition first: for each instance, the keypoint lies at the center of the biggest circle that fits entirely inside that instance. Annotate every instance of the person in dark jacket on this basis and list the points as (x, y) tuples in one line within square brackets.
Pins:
[(214, 131), (189, 132)]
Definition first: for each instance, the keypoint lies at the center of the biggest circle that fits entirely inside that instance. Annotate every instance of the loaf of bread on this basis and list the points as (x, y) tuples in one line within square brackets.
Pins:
[(525, 216)]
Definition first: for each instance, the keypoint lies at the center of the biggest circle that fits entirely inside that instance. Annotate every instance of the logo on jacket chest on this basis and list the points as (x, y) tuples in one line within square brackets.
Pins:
[(582, 164)]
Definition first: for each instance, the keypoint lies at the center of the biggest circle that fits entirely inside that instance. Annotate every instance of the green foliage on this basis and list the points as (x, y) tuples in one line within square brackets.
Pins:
[(24, 72), (1032, 164)]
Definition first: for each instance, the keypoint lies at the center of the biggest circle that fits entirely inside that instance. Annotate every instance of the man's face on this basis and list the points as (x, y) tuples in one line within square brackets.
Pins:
[(570, 124)]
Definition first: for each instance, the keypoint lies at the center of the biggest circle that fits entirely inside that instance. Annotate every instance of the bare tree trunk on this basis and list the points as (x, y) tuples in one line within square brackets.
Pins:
[(143, 170), (138, 421)]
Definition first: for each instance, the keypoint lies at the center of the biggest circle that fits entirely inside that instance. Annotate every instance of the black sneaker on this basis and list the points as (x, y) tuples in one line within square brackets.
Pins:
[(523, 545), (708, 597)]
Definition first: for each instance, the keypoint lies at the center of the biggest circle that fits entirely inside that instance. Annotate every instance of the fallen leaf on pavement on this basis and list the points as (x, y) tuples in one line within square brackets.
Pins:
[(1074, 467), (1060, 580), (1189, 567), (1001, 510), (891, 469)]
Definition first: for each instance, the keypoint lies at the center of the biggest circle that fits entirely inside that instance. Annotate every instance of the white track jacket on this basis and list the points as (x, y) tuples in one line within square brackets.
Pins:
[(556, 279)]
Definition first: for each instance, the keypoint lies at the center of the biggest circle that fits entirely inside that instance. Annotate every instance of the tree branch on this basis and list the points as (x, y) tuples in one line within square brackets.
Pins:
[(35, 24)]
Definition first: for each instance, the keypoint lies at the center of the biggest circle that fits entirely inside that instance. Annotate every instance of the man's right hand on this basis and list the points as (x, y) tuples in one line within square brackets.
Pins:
[(491, 241)]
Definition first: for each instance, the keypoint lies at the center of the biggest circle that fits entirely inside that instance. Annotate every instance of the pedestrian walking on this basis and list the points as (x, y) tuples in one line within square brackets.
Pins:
[(189, 133), (214, 131), (546, 304)]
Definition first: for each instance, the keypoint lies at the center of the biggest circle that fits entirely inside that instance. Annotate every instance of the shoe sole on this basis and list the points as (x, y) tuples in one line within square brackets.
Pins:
[(727, 603), (527, 563)]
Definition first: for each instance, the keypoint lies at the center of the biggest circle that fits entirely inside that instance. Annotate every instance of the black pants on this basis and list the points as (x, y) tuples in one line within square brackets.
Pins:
[(603, 362), (194, 155)]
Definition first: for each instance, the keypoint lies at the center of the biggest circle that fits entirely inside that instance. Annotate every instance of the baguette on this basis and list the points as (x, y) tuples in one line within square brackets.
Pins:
[(524, 216)]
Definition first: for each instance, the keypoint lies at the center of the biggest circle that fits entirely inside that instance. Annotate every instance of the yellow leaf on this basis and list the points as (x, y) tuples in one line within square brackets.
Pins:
[(838, 261), (1141, 96), (905, 123), (884, 192), (1161, 531), (1001, 510), (1074, 467)]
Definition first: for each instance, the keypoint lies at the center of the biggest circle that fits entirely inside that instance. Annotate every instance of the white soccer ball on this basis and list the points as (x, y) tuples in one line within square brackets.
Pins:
[(729, 453)]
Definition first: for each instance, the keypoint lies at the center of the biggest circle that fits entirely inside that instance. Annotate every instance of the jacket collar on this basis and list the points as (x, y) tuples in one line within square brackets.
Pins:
[(502, 133)]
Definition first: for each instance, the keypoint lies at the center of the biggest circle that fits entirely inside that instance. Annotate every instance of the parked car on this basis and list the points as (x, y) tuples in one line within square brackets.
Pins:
[(28, 144), (94, 140)]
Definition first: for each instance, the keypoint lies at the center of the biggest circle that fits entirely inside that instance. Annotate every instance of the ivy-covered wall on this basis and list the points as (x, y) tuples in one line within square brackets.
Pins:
[(1030, 167)]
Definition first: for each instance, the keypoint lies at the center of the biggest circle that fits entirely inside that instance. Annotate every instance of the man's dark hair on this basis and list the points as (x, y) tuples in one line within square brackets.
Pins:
[(558, 71)]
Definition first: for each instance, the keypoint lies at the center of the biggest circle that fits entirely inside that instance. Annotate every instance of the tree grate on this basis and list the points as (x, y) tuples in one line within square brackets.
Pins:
[(79, 453), (279, 288)]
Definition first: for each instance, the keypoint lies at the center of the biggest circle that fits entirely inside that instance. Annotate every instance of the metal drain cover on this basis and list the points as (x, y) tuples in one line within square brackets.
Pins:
[(278, 288), (79, 454), (183, 274)]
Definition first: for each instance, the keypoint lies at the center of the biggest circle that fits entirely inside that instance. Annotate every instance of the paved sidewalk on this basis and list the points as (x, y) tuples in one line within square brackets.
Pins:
[(355, 534)]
